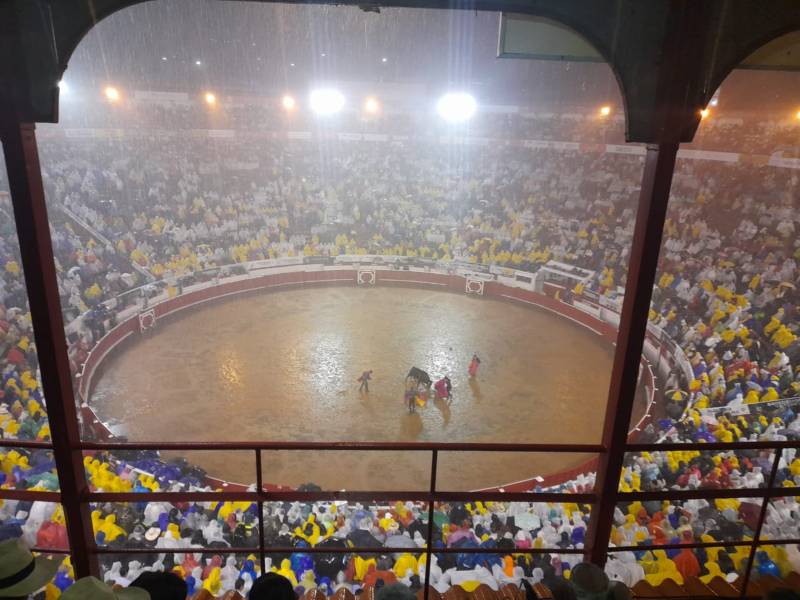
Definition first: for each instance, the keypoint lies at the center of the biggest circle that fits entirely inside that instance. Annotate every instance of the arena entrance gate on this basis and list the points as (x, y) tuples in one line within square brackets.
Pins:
[(366, 277), (147, 320), (474, 286)]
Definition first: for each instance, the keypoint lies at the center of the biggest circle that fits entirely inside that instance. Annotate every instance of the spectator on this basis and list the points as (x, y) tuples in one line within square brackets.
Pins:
[(271, 586), (590, 583), (395, 591), (161, 586), (91, 588), (20, 573)]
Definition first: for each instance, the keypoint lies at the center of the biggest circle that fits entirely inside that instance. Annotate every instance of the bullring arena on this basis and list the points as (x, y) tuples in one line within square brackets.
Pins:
[(275, 354)]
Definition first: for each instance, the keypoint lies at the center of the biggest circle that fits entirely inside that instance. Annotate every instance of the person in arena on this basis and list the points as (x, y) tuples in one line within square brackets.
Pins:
[(473, 366), (443, 388), (364, 379), (410, 398)]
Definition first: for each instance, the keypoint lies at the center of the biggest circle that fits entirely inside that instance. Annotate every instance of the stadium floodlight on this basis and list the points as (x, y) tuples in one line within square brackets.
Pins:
[(714, 102), (326, 102), (63, 87), (112, 94), (704, 113), (371, 105), (288, 103), (210, 99), (605, 110), (457, 107)]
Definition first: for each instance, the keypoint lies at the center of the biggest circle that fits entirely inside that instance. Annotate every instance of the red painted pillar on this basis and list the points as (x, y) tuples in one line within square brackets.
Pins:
[(650, 216), (33, 230)]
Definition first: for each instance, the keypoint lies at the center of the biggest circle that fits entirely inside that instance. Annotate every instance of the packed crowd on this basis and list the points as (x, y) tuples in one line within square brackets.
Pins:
[(587, 581), (210, 546), (130, 214)]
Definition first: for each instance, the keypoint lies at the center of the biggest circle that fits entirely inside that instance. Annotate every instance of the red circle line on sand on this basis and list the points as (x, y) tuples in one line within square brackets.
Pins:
[(287, 278)]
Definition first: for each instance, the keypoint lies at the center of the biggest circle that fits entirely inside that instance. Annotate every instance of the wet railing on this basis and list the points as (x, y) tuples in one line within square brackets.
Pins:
[(429, 495)]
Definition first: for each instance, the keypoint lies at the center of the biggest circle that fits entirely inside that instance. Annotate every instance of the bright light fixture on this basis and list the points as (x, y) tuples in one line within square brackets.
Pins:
[(210, 98), (112, 94), (605, 110), (63, 87), (384, 59), (326, 102), (714, 102), (704, 113), (457, 107), (371, 105), (798, 115), (288, 102), (198, 62)]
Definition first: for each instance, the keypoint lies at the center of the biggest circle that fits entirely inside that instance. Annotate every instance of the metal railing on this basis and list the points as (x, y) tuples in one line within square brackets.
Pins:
[(431, 496), (259, 495)]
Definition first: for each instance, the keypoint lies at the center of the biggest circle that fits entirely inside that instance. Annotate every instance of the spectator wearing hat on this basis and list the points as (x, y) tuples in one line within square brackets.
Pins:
[(91, 588), (589, 582), (20, 573)]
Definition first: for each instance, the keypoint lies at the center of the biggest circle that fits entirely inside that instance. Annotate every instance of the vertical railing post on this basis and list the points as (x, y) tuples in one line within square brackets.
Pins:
[(762, 515), (260, 488), (650, 216), (429, 549), (36, 248)]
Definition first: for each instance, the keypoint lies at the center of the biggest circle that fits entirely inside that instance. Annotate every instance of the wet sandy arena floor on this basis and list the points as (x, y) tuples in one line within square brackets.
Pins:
[(283, 366)]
